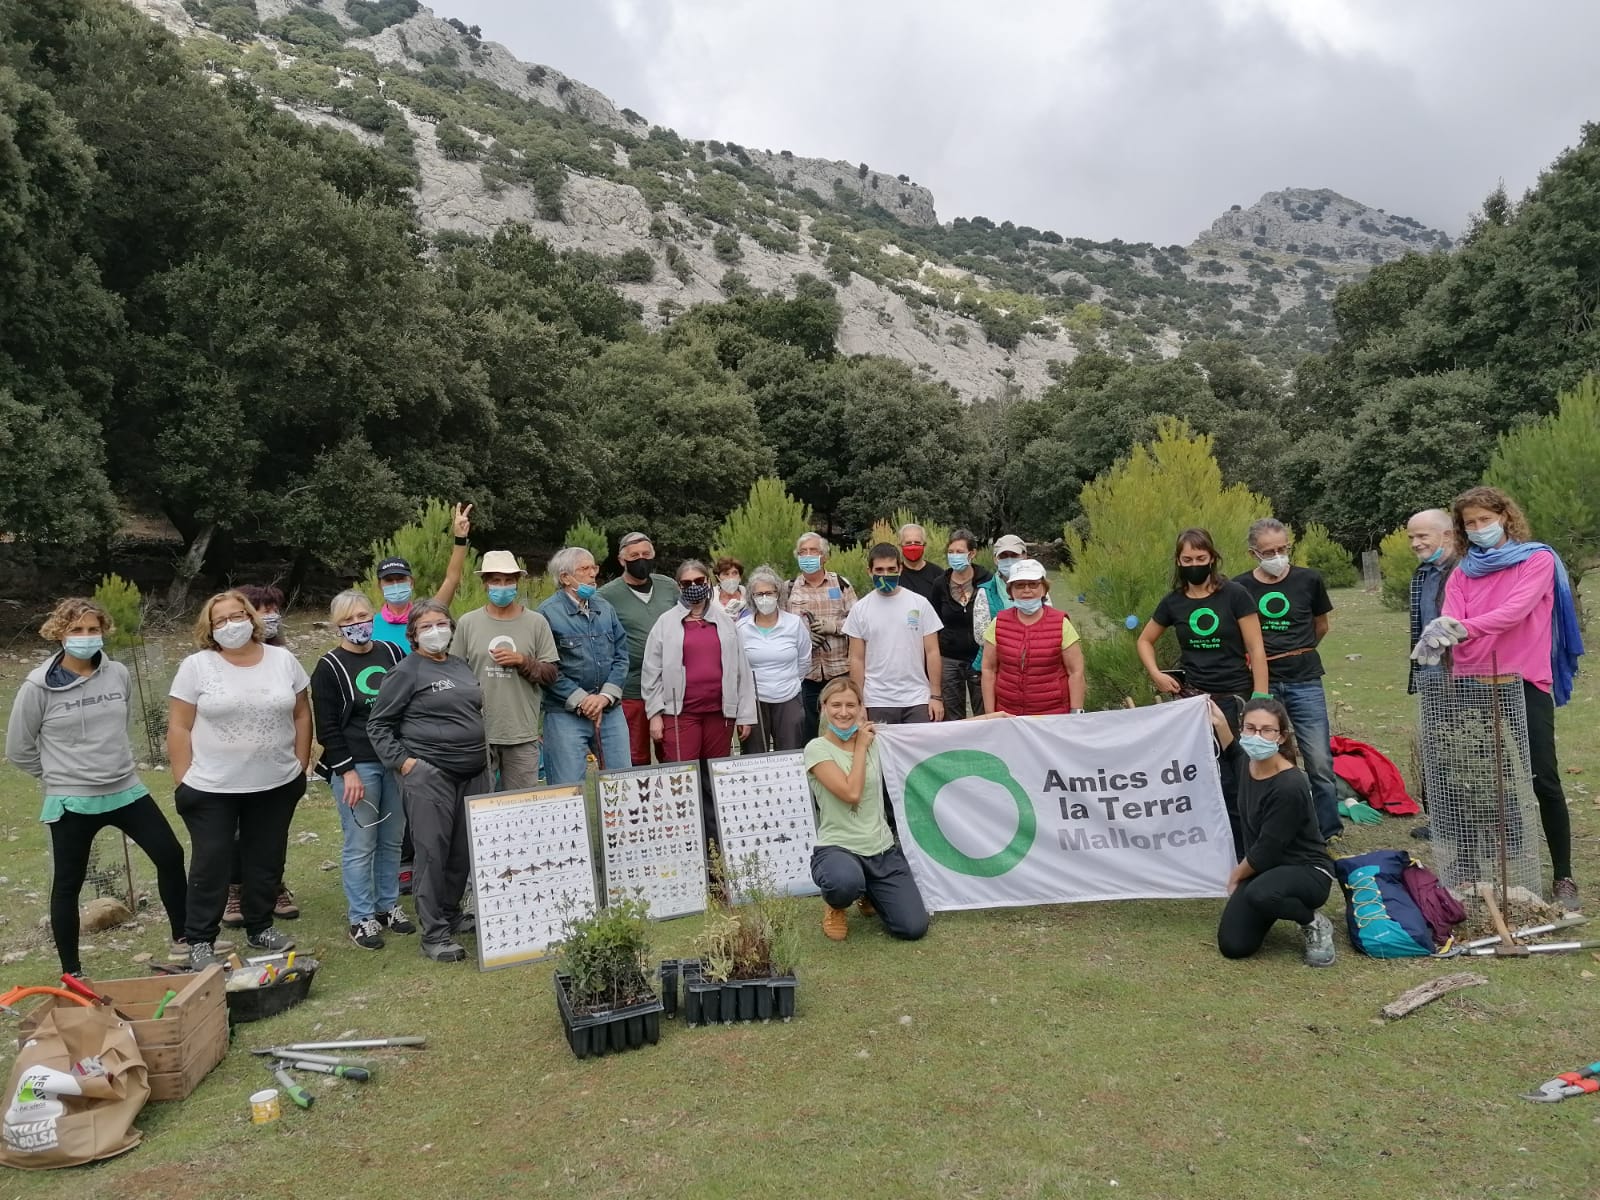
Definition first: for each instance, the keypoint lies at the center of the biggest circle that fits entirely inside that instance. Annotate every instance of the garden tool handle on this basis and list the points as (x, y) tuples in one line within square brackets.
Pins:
[(301, 1097)]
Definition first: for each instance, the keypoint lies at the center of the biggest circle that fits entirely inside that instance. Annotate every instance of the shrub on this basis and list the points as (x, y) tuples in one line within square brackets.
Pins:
[(591, 537), (764, 529), (757, 939), (427, 544), (121, 599), (455, 142), (1315, 549), (633, 266), (1397, 564), (725, 245), (606, 953)]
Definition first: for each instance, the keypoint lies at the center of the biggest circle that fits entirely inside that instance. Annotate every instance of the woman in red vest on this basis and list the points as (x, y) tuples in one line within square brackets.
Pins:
[(1036, 665)]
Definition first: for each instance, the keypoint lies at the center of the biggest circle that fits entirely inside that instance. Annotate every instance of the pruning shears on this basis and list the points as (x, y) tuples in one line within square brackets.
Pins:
[(1566, 1085)]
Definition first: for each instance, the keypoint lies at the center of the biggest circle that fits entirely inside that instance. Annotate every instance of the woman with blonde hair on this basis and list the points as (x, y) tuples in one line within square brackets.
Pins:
[(239, 740), (344, 686), (69, 730)]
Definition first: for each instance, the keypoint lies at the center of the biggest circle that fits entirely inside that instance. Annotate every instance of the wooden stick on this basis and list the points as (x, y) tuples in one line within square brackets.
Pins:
[(1408, 1002), (1486, 891)]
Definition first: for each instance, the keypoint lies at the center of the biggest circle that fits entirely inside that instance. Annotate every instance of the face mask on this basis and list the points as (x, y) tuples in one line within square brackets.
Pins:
[(1197, 574), (270, 624), (695, 593), (729, 587), (1434, 557), (586, 591), (887, 584), (1276, 566), (1029, 606), (959, 562), (1004, 565), (397, 593), (435, 639), (233, 635), (1489, 535), (844, 735), (912, 553), (1257, 747), (84, 647), (501, 597), (357, 633), (639, 569), (809, 564), (766, 605)]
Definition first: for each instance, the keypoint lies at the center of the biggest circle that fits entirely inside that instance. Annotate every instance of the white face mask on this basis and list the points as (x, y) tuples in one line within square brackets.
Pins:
[(766, 605), (729, 585), (1277, 566), (234, 634), (435, 639)]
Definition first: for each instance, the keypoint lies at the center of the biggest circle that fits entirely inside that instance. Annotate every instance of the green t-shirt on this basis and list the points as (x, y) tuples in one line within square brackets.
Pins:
[(510, 699), (638, 610), (90, 806), (859, 828)]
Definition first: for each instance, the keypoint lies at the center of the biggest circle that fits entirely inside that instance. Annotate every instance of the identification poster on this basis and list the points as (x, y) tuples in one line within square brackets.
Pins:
[(654, 845), (1117, 805), (764, 810)]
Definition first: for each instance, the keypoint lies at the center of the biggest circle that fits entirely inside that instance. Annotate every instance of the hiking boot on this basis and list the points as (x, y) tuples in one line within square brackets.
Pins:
[(864, 907), (1566, 895), (465, 923), (1423, 833), (270, 940), (367, 934), (284, 908), (1319, 941), (835, 922), (232, 914), (443, 952), (405, 879), (202, 955), (396, 921)]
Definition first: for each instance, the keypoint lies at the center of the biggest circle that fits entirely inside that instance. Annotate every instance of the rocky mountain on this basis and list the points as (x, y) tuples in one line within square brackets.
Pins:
[(985, 306)]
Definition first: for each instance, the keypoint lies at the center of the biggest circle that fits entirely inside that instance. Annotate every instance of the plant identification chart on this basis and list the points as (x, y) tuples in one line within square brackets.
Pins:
[(764, 809), (530, 862), (654, 847)]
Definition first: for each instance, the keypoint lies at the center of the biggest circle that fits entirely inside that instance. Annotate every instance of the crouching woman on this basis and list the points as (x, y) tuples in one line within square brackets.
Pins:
[(1285, 873), (855, 856)]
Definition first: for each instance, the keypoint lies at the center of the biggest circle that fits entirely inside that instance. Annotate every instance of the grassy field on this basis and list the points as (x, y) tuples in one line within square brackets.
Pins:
[(1052, 1052)]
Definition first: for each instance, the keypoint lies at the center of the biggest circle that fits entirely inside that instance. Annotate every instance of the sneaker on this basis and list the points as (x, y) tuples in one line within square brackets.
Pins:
[(465, 923), (232, 914), (367, 934), (865, 908), (1423, 833), (271, 940), (405, 879), (284, 908), (835, 922), (1566, 895), (443, 952), (202, 955), (396, 921), (1319, 941)]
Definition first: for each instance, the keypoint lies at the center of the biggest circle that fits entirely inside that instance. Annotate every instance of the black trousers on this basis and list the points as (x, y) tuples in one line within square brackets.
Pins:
[(1541, 707), (1287, 893), (260, 822), (72, 838), (885, 879)]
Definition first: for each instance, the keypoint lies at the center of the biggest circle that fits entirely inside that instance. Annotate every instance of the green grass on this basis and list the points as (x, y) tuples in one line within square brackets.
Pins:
[(1025, 1052)]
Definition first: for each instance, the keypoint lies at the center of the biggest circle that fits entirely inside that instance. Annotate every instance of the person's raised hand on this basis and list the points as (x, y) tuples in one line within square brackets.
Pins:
[(461, 520)]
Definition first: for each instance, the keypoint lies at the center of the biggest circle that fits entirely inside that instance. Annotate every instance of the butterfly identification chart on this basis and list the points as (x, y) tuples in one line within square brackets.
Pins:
[(654, 848), (530, 862), (764, 809)]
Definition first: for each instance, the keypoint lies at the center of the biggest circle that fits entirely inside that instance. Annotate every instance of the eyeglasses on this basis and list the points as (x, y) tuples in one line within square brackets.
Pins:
[(356, 814), (691, 582), (1270, 551), (1261, 730), (219, 622)]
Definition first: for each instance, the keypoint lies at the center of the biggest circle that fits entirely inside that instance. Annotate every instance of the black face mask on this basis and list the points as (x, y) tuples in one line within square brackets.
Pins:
[(639, 569), (1197, 574)]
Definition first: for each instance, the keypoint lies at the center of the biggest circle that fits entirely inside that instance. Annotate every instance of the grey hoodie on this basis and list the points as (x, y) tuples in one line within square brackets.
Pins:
[(73, 736)]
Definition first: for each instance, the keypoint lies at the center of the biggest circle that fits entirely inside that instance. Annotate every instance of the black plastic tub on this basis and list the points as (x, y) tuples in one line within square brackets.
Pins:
[(256, 1004), (710, 1002), (668, 973), (611, 1031)]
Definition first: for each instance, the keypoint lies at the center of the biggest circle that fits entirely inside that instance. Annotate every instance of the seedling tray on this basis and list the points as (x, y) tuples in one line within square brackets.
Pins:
[(616, 1029), (710, 1002)]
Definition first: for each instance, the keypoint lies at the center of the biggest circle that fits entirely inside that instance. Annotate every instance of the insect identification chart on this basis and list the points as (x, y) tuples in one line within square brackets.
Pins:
[(764, 809), (654, 848), (530, 863)]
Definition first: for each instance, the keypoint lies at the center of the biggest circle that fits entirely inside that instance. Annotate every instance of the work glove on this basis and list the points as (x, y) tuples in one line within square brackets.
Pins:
[(1361, 814), (1438, 636)]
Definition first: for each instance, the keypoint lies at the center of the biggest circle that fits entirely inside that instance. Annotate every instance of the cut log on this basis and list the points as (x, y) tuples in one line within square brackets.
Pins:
[(1408, 1002)]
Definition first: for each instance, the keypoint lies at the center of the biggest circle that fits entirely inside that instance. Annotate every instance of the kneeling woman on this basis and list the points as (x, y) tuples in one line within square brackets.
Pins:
[(427, 724), (1285, 873), (855, 857)]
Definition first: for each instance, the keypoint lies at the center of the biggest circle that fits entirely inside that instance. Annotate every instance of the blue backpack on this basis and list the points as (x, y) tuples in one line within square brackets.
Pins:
[(1383, 920)]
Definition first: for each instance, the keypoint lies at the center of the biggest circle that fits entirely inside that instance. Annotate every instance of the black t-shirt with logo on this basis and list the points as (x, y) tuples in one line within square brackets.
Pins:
[(1288, 609), (1207, 630)]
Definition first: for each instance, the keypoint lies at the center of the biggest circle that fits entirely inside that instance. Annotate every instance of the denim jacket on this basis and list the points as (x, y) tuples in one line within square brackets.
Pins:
[(593, 647)]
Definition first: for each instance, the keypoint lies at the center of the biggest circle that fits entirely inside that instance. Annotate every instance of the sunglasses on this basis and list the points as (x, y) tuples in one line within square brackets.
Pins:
[(691, 582)]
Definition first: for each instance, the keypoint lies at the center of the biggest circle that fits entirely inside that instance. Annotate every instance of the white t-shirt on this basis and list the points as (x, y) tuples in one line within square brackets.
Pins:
[(893, 627), (779, 657), (243, 738)]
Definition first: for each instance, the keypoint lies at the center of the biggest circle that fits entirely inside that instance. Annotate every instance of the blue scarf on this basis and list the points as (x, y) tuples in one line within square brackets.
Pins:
[(1566, 639)]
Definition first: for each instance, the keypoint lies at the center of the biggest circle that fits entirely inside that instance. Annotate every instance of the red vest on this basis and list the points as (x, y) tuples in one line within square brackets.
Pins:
[(1030, 678)]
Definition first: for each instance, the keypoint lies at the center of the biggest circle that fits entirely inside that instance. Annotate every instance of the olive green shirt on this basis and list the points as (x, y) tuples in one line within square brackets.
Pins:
[(638, 610)]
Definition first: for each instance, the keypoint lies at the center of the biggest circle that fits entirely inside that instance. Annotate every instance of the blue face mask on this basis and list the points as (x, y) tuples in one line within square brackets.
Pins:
[(1029, 606), (1004, 565), (586, 591), (1257, 747), (397, 593), (844, 735), (501, 596), (83, 648), (1489, 535), (809, 564), (1434, 557), (959, 562), (887, 584)]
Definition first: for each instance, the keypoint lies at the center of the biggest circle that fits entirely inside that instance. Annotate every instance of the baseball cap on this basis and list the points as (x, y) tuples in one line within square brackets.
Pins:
[(1011, 544), (1027, 568), (393, 566), (500, 562)]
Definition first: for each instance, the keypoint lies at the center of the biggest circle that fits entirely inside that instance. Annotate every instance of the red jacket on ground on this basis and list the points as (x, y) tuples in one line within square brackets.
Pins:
[(1375, 779)]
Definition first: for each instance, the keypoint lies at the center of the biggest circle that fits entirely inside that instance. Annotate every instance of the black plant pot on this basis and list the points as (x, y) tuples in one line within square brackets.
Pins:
[(593, 1034), (705, 1001), (668, 972)]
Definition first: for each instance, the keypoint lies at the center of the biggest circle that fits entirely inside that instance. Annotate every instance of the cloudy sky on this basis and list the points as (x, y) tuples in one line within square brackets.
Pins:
[(1140, 119)]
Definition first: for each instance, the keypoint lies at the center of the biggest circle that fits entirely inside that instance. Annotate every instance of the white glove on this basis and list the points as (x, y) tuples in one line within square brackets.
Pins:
[(1438, 636)]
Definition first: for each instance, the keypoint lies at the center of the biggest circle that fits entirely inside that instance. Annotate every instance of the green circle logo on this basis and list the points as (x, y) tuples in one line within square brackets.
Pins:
[(931, 776), (363, 684), (1195, 620), (1274, 605)]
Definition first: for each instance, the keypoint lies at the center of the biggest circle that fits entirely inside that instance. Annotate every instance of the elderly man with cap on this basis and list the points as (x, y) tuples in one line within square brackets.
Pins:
[(394, 577), (822, 599), (586, 712), (992, 597), (1032, 659), (917, 574), (512, 652), (639, 596)]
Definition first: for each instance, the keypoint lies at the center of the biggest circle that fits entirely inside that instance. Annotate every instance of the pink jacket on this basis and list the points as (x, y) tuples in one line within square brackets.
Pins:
[(1508, 617)]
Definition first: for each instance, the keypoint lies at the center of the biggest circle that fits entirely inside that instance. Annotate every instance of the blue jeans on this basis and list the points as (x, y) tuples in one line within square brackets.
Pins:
[(568, 737), (370, 865), (1308, 713)]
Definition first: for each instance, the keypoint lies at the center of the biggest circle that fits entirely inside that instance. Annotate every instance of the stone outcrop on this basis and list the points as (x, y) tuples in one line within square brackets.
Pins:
[(1322, 225)]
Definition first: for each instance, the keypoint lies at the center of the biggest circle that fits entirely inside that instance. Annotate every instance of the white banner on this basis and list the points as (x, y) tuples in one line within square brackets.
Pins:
[(1118, 805)]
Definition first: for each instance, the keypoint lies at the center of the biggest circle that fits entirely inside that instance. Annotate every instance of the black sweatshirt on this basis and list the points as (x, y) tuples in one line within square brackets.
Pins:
[(1277, 820), (955, 639), (433, 711), (344, 687)]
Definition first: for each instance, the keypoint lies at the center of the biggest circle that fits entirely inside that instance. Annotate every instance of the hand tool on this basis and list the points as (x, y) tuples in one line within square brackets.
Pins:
[(1566, 1085), (340, 1070), (309, 1056), (77, 985), (162, 1007), (1527, 931), (301, 1097), (1541, 948), (17, 993), (356, 1044)]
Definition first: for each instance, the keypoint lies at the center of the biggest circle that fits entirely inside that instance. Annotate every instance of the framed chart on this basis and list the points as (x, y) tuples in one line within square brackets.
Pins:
[(530, 862), (764, 809), (654, 847)]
